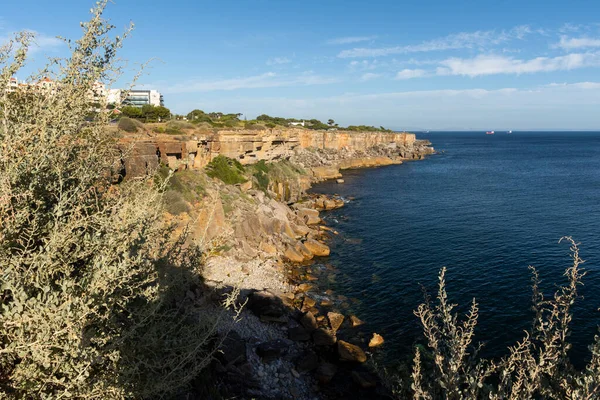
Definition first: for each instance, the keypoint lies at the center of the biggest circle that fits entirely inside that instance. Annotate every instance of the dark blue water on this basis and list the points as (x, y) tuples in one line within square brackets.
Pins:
[(486, 208)]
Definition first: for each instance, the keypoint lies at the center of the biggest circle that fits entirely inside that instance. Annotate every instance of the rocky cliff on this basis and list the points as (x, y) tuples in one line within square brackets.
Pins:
[(194, 151)]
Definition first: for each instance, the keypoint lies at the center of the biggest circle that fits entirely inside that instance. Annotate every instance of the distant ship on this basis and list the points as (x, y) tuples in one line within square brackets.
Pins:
[(509, 132), (489, 132)]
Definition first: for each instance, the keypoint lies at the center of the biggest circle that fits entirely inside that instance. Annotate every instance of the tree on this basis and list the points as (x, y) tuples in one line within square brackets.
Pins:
[(94, 297), (330, 122), (162, 113), (132, 112), (194, 114)]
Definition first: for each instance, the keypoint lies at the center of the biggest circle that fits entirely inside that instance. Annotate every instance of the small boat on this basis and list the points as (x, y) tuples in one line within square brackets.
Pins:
[(490, 132), (509, 132)]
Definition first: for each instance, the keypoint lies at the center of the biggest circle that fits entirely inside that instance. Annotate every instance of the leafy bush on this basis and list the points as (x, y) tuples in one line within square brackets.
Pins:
[(127, 124), (226, 169), (97, 299), (536, 367)]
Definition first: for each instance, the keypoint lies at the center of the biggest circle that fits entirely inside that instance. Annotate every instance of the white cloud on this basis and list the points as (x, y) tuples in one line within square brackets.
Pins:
[(451, 42), (494, 64), (411, 73), (364, 64), (567, 43), (266, 80), (569, 27), (278, 61), (350, 39), (556, 106), (369, 76), (579, 85)]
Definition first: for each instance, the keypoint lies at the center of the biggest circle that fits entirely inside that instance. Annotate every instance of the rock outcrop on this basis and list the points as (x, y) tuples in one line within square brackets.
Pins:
[(251, 146)]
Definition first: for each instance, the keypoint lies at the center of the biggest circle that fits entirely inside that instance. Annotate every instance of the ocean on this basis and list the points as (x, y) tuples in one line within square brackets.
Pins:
[(486, 207)]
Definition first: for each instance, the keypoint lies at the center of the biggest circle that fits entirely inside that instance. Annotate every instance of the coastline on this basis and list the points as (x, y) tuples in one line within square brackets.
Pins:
[(298, 340)]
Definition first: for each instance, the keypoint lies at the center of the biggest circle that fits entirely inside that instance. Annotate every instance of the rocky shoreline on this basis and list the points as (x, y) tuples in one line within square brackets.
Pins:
[(291, 340)]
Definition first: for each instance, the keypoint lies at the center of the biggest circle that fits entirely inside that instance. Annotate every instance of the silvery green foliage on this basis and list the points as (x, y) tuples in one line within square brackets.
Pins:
[(538, 366), (97, 300)]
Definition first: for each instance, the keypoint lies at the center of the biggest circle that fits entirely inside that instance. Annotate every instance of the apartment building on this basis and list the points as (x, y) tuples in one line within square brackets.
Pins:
[(136, 97), (98, 93)]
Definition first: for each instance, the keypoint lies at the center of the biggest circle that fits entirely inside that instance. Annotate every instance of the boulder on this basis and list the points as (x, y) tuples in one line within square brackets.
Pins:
[(326, 303), (376, 340), (317, 248), (263, 303), (309, 216), (326, 172), (325, 372), (355, 321), (267, 248), (304, 287), (308, 321), (308, 303), (335, 320), (301, 230), (350, 352), (302, 249), (324, 337), (291, 254), (329, 204)]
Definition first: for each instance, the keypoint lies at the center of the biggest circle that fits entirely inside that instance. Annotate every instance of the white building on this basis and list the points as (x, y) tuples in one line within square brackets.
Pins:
[(297, 123), (136, 98), (13, 84)]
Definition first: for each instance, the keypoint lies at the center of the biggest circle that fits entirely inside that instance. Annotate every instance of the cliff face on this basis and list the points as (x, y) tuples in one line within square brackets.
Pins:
[(250, 146)]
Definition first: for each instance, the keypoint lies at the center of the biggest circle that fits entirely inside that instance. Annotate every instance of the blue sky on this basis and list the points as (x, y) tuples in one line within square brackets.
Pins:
[(425, 65)]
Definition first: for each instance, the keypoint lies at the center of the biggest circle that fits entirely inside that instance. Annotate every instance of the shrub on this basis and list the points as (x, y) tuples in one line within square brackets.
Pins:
[(180, 125), (158, 129), (175, 203), (127, 124), (536, 367), (253, 126), (226, 169), (97, 299)]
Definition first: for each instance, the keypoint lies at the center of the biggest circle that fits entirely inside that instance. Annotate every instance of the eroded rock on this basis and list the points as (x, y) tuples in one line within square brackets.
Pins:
[(376, 340), (317, 248), (349, 352), (335, 320)]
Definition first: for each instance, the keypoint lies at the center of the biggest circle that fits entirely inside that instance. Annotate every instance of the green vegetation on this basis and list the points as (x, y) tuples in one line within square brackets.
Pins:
[(278, 172), (215, 119), (226, 169), (98, 299), (367, 128), (537, 367), (177, 127), (315, 124), (190, 184), (147, 113), (175, 203), (128, 125)]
